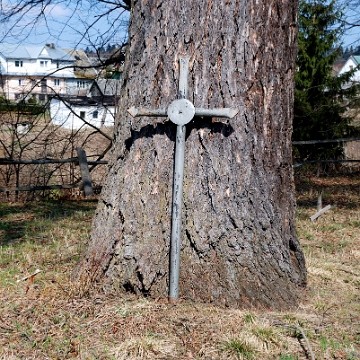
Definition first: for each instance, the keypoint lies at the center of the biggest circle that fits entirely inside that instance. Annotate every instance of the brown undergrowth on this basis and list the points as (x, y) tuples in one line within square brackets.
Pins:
[(45, 316)]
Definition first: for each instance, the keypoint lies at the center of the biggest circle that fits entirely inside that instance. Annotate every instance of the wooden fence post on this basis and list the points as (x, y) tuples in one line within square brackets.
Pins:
[(319, 201), (85, 173)]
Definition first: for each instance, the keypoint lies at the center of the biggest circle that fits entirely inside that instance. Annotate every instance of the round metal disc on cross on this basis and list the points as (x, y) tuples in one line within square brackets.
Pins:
[(181, 111)]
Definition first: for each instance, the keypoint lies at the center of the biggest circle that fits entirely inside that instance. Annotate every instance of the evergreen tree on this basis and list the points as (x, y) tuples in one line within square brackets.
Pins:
[(89, 50), (320, 97)]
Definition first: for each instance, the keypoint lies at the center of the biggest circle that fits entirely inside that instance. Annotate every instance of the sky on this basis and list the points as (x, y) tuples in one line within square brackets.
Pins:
[(352, 35), (352, 38), (66, 23)]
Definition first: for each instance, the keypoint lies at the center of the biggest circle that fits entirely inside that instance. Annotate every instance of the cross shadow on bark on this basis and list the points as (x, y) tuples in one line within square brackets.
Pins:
[(169, 129)]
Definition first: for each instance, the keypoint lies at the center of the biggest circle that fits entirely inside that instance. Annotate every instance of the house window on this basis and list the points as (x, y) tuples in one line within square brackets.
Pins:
[(56, 82), (20, 82), (18, 63), (81, 84), (95, 114), (57, 64), (351, 67), (82, 114), (43, 86), (43, 63), (18, 96)]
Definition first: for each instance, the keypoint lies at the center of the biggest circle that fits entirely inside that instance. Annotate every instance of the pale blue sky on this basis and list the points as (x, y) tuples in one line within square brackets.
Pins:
[(352, 36), (64, 23)]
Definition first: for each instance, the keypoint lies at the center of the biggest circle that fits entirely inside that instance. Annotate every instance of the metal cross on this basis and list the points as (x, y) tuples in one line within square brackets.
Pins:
[(180, 112)]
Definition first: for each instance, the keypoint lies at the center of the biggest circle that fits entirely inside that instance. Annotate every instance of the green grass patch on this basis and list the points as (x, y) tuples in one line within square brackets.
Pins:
[(240, 349)]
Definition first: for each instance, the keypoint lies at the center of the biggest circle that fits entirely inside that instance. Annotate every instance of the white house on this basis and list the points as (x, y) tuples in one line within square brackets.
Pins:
[(351, 63), (83, 111), (97, 108), (40, 72)]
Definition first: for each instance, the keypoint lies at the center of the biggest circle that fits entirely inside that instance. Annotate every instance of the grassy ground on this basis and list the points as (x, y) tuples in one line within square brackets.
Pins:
[(45, 316)]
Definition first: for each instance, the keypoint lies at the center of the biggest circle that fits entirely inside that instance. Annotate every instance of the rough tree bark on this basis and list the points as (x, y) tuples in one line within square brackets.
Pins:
[(239, 245)]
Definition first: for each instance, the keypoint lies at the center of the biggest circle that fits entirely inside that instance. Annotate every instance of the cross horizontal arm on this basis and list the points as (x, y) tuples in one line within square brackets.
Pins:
[(222, 113), (136, 112)]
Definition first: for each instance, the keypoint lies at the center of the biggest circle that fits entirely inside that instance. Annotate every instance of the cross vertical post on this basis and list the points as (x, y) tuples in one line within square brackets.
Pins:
[(175, 240), (180, 112)]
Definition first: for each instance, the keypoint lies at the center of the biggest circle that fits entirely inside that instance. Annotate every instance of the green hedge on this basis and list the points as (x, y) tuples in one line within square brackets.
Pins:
[(23, 108)]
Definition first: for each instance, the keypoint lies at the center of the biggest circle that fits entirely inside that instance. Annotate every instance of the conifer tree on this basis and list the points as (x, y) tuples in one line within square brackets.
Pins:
[(320, 97)]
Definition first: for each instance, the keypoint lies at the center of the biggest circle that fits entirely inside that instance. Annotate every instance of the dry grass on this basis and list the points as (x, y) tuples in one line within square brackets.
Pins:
[(44, 316)]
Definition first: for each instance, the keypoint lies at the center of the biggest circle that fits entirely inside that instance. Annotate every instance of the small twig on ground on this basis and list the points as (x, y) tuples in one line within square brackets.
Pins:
[(349, 272), (320, 212), (307, 341), (29, 276), (298, 328)]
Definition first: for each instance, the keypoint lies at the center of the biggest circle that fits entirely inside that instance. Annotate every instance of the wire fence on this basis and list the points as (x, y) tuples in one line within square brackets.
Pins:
[(84, 183), (325, 161)]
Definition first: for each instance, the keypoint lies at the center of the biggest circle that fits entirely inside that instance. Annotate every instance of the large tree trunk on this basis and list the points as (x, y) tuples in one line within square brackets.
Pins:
[(239, 245)]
